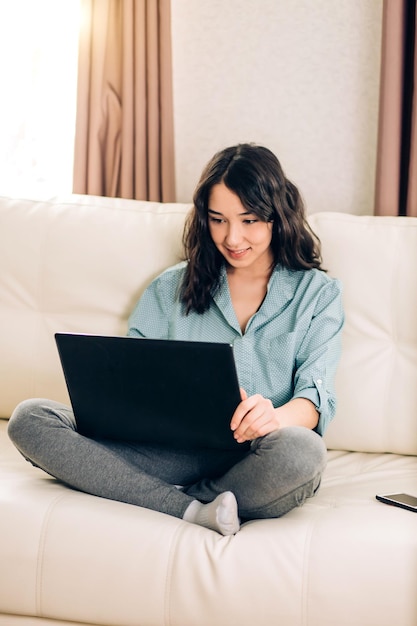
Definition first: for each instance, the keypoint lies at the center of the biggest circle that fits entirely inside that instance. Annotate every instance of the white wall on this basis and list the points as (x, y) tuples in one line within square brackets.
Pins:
[(299, 76)]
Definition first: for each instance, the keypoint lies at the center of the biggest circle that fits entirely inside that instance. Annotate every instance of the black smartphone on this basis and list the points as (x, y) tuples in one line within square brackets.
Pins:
[(403, 500)]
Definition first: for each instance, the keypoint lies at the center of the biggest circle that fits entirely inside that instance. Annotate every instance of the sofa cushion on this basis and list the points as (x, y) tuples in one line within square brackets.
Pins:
[(66, 555), (74, 264), (376, 383)]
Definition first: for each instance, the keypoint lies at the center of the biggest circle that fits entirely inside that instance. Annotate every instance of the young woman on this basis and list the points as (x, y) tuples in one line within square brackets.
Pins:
[(252, 278)]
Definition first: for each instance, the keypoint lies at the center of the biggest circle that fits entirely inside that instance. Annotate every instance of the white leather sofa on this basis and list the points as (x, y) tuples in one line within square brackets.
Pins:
[(343, 559)]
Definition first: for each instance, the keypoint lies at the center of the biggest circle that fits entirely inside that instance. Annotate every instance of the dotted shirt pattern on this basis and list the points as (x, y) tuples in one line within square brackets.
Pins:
[(290, 347)]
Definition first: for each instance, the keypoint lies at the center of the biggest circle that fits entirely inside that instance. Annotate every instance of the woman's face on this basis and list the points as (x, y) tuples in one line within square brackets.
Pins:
[(240, 236)]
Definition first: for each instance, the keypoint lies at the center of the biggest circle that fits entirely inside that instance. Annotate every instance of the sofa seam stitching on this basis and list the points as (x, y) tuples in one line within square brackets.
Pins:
[(40, 557), (168, 576), (85, 205), (307, 570)]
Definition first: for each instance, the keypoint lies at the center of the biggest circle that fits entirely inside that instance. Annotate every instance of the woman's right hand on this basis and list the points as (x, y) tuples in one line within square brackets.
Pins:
[(254, 417)]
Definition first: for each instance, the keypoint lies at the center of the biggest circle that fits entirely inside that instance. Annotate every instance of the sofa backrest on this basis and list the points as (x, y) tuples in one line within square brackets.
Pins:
[(79, 264), (376, 383), (74, 264)]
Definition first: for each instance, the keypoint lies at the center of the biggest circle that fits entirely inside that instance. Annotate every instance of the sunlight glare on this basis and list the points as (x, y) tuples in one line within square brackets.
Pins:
[(38, 72)]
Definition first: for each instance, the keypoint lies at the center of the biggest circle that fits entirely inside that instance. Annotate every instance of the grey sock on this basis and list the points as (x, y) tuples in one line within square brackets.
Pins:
[(220, 515)]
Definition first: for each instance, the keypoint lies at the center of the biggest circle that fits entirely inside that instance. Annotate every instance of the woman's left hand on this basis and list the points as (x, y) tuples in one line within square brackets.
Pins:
[(254, 417)]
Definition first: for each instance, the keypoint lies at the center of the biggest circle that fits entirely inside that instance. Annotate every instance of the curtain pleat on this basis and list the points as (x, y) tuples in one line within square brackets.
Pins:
[(412, 182), (396, 174), (124, 134)]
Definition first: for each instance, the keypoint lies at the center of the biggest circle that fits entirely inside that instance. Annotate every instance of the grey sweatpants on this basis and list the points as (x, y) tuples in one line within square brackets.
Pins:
[(279, 472)]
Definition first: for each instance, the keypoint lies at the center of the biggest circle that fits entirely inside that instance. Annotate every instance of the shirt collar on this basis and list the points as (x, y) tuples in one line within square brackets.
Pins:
[(280, 291)]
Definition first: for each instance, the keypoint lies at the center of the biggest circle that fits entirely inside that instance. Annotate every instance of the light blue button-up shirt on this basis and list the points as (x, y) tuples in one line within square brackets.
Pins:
[(290, 347)]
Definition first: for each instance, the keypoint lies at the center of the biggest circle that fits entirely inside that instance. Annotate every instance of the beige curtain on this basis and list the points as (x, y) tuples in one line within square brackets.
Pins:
[(124, 143), (396, 176)]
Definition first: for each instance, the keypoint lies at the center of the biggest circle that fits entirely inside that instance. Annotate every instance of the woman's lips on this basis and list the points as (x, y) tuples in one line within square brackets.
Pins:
[(237, 254)]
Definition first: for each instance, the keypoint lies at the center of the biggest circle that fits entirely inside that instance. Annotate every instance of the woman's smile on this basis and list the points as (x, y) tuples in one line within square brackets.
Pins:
[(237, 254), (242, 238)]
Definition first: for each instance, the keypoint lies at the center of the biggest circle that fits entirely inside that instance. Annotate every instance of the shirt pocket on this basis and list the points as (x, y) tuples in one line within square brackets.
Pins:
[(282, 349), (281, 357)]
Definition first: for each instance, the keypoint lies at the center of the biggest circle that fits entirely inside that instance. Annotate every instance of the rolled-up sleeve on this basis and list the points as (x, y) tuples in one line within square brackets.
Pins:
[(319, 354)]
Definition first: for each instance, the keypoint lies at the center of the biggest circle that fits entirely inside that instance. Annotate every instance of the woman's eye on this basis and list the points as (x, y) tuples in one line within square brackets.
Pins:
[(216, 220), (250, 221)]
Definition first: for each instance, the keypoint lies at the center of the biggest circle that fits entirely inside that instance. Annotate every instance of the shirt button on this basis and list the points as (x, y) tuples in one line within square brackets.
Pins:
[(319, 381)]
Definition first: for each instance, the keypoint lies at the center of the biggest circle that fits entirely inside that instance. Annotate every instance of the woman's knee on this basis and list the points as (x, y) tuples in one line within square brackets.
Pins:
[(293, 461), (313, 447), (298, 450), (20, 419), (32, 414)]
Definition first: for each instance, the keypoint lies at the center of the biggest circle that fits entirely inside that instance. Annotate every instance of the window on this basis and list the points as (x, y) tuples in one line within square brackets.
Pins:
[(38, 74)]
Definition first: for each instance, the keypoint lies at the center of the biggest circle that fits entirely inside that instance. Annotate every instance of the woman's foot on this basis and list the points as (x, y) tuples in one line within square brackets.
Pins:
[(220, 515)]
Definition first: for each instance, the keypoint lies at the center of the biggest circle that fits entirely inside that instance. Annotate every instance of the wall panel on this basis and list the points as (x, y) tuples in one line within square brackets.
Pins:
[(300, 76)]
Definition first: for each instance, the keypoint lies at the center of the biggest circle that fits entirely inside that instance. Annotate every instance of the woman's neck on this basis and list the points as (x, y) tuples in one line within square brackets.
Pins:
[(247, 292)]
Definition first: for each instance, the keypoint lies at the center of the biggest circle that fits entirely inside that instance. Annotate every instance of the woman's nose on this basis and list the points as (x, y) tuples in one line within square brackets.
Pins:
[(234, 234)]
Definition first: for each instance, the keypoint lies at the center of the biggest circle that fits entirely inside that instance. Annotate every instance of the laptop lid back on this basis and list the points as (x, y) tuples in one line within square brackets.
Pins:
[(176, 393)]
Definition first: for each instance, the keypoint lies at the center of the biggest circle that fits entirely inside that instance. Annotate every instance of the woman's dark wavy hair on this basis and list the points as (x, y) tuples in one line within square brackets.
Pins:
[(255, 175)]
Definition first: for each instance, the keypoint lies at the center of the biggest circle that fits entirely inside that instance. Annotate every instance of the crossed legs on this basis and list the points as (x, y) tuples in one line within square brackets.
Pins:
[(279, 472)]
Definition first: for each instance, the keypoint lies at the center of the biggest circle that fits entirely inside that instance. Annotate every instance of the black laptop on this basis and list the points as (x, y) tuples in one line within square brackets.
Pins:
[(176, 393)]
